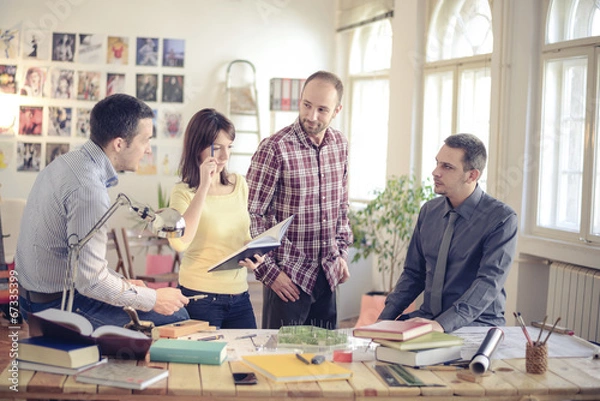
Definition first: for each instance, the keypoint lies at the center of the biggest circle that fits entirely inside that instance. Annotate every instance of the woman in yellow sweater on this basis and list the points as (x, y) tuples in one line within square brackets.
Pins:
[(213, 203)]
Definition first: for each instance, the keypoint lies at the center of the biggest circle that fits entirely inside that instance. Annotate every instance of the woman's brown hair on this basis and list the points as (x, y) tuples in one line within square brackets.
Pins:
[(201, 133)]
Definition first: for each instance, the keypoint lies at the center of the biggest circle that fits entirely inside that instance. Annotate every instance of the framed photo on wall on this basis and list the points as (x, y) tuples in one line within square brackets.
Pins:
[(36, 44), (63, 47), (146, 87), (117, 51), (172, 89), (147, 52), (173, 52)]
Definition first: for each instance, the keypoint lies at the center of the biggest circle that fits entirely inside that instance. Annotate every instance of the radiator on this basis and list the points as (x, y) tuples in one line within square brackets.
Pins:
[(574, 296)]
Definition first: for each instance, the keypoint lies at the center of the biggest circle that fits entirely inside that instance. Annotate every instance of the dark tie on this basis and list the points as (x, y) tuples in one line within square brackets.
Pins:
[(440, 267)]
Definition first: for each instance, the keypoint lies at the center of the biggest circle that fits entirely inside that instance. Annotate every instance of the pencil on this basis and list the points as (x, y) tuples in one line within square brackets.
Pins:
[(522, 324), (542, 329), (303, 359), (212, 150), (551, 330), (557, 329), (210, 338)]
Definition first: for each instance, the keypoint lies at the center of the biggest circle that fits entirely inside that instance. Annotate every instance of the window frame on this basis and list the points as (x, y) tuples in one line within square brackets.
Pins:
[(540, 241), (592, 55), (353, 78), (456, 66)]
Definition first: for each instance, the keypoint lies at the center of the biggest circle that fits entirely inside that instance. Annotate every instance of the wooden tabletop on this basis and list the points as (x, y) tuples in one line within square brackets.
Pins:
[(573, 379)]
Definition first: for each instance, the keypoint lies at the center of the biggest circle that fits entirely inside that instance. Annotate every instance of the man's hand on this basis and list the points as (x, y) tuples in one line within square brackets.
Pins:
[(139, 283), (285, 288), (169, 300), (436, 326), (344, 271)]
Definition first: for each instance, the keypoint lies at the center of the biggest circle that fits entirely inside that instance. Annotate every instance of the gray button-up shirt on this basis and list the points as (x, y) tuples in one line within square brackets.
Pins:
[(68, 198), (479, 259)]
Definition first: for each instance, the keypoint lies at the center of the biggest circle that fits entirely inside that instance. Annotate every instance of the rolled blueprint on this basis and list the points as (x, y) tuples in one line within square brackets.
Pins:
[(481, 360)]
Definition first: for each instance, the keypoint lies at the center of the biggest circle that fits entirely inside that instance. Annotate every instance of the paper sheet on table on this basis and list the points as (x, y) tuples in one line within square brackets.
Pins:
[(513, 345)]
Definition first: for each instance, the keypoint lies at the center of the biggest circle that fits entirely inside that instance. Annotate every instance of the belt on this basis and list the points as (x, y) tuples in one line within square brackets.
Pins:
[(39, 297)]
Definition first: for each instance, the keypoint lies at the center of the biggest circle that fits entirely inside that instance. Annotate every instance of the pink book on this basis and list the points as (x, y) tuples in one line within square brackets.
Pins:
[(393, 330)]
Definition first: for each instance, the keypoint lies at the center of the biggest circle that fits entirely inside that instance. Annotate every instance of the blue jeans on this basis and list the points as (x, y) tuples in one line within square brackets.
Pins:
[(100, 313), (224, 311)]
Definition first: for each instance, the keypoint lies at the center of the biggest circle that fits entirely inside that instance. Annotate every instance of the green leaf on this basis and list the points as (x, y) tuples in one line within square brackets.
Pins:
[(385, 226)]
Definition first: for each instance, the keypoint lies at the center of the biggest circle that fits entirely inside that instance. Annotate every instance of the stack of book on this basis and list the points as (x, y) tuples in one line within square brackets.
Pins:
[(48, 354), (411, 343)]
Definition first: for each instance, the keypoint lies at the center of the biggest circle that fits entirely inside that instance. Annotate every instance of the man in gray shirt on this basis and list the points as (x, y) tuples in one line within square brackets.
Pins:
[(481, 249)]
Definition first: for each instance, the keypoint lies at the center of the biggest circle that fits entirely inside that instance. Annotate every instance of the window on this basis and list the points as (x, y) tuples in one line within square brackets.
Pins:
[(568, 177), (457, 77), (370, 58)]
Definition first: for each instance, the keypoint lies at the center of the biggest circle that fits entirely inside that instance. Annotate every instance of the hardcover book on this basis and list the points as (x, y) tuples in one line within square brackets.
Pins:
[(188, 351), (260, 244), (72, 327), (122, 375), (393, 330), (423, 357), (52, 351), (59, 370), (287, 368), (434, 339)]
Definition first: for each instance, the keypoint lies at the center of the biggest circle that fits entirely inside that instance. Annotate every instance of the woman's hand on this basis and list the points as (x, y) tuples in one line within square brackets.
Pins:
[(208, 169), (252, 263)]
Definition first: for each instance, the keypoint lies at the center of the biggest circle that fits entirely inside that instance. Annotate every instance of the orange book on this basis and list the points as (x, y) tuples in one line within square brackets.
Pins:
[(393, 330)]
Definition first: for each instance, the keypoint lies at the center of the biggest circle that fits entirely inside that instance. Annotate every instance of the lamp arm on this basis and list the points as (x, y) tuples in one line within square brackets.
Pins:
[(166, 222), (76, 245), (121, 200)]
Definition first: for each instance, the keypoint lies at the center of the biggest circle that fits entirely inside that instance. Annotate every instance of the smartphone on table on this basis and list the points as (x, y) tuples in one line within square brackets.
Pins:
[(244, 378)]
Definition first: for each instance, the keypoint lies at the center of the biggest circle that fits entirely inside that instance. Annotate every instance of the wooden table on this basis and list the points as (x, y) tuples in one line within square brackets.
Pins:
[(572, 379)]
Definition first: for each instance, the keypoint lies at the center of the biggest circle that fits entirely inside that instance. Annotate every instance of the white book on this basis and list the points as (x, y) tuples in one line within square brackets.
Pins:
[(122, 375), (423, 357), (260, 244)]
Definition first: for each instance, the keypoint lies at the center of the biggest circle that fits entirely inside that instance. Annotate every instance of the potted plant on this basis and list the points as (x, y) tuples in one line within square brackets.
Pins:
[(384, 229)]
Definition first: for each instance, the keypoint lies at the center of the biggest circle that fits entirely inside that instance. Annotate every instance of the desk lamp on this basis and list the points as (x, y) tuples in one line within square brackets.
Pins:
[(165, 223)]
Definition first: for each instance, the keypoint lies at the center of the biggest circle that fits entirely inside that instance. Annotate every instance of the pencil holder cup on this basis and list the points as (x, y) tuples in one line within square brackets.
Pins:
[(536, 358)]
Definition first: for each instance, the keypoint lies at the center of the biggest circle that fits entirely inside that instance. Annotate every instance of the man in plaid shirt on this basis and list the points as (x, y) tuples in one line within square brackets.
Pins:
[(302, 170)]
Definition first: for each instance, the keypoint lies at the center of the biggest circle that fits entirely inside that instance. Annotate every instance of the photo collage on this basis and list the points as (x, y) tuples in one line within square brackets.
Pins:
[(49, 82)]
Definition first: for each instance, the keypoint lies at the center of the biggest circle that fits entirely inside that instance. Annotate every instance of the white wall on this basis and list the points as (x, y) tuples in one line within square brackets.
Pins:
[(282, 38)]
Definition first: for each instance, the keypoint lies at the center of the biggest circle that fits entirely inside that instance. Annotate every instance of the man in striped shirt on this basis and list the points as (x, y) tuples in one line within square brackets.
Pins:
[(302, 170), (68, 198)]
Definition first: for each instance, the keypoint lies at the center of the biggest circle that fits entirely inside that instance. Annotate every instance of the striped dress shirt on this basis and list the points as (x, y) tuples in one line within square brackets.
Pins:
[(68, 198), (290, 175)]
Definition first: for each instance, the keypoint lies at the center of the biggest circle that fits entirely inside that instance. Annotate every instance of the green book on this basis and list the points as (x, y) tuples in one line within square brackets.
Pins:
[(188, 351), (433, 339)]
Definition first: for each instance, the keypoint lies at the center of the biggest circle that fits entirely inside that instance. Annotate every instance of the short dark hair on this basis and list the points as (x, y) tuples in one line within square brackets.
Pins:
[(328, 77), (117, 116), (475, 155), (201, 132)]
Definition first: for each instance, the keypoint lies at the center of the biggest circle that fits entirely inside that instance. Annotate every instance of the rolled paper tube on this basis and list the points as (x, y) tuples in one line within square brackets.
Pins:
[(481, 360)]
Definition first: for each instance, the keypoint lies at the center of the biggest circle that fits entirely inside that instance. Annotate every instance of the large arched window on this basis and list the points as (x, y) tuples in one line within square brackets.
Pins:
[(369, 65), (568, 175), (457, 76)]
